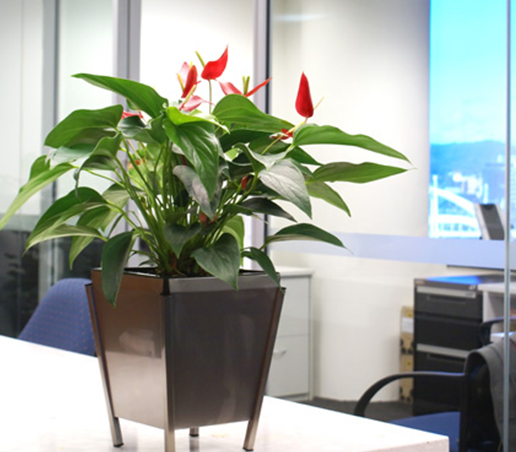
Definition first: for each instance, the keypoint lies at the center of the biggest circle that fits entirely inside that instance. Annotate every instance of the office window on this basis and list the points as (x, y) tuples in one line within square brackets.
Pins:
[(467, 113)]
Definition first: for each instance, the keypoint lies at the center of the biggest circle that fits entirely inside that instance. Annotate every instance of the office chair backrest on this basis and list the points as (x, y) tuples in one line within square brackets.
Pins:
[(62, 318), (488, 363), (481, 431)]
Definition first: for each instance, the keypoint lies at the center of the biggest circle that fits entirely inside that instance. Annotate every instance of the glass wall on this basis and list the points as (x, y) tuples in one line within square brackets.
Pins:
[(21, 51), (381, 74), (38, 90)]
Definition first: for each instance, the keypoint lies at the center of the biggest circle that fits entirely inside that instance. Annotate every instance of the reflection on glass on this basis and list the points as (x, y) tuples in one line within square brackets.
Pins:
[(467, 113)]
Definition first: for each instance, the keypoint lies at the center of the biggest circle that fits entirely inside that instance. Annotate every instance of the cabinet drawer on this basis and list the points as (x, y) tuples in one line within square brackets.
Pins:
[(289, 374), (295, 313), (449, 303), (446, 331)]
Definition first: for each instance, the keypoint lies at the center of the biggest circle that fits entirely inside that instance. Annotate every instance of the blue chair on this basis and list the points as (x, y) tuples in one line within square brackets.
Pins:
[(62, 318), (476, 426)]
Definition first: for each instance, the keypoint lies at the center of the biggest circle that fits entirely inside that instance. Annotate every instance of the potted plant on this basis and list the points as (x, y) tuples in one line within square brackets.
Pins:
[(183, 174)]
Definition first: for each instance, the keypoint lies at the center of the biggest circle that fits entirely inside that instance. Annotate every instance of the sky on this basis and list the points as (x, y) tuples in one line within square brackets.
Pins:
[(467, 70)]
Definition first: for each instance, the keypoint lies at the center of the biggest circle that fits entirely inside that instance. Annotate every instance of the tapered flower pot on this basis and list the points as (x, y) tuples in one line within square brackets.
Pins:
[(185, 353)]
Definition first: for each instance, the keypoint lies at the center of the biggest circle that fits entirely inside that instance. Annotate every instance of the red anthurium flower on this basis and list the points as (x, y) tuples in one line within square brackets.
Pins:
[(229, 88), (183, 73), (191, 103), (214, 69), (127, 114), (244, 181), (191, 81), (256, 88), (304, 105)]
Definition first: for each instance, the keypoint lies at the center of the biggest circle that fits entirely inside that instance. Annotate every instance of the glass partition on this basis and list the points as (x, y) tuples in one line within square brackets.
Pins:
[(419, 77)]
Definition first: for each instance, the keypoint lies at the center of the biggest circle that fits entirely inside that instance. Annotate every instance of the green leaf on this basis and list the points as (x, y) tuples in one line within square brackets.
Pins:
[(179, 118), (178, 235), (195, 188), (41, 175), (141, 97), (286, 180), (238, 111), (221, 260), (64, 230), (70, 154), (351, 172), (268, 160), (69, 206), (303, 231), (264, 262), (325, 192), (98, 218), (103, 156), (301, 156), (201, 148), (115, 254), (265, 206), (314, 134), (235, 227), (84, 126)]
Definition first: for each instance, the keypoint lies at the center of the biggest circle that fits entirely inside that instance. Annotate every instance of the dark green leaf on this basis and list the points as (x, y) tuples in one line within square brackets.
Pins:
[(266, 207), (301, 156), (239, 112), (286, 180), (40, 176), (195, 188), (264, 262), (240, 136), (357, 173), (303, 231), (115, 254), (178, 235), (325, 192), (141, 97), (90, 125), (201, 148), (221, 260), (314, 134)]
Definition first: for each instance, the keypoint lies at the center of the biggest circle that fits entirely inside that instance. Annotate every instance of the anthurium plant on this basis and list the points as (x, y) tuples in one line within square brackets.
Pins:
[(183, 173)]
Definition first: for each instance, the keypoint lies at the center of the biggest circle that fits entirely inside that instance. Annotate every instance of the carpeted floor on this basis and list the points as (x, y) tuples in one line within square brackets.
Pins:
[(382, 411)]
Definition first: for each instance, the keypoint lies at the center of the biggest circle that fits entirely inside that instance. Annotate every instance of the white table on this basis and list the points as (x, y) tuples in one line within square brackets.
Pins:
[(52, 400)]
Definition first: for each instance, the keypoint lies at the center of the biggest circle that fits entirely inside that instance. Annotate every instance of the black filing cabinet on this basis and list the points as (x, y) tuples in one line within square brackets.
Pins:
[(447, 315)]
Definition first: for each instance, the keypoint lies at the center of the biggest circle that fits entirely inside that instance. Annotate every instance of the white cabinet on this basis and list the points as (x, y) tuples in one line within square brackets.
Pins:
[(290, 373)]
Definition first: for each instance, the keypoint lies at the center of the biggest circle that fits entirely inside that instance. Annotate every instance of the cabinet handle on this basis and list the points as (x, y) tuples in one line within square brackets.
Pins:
[(279, 352)]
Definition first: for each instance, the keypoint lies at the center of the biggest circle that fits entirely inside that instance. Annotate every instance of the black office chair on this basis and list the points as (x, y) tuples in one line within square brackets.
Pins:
[(62, 318), (476, 426)]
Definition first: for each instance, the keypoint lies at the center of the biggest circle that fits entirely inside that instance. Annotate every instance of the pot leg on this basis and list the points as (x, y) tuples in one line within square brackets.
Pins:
[(116, 432), (114, 423), (252, 426)]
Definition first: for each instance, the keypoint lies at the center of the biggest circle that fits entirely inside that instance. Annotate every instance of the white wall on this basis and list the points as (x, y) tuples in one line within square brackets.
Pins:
[(369, 59), (172, 31)]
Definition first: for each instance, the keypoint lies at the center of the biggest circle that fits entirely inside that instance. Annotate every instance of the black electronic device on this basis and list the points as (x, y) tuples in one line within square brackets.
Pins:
[(490, 221)]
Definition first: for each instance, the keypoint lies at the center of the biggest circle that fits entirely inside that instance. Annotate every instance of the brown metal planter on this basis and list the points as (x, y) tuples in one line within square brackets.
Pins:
[(185, 353)]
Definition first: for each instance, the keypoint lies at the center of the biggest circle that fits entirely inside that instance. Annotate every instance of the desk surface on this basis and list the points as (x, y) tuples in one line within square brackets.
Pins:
[(52, 400)]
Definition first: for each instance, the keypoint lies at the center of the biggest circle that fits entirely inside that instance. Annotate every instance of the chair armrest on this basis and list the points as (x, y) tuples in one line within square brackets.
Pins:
[(373, 389), (484, 331)]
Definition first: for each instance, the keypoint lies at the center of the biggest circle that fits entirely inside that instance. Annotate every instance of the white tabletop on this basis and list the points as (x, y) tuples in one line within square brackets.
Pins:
[(52, 400)]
